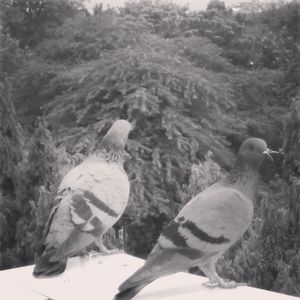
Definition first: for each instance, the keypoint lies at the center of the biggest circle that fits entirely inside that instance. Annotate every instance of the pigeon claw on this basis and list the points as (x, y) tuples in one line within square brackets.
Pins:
[(225, 284), (110, 252), (104, 252), (93, 254), (115, 251)]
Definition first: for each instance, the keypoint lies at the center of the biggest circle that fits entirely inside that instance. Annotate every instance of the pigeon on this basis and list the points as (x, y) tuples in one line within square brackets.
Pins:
[(90, 200), (207, 225)]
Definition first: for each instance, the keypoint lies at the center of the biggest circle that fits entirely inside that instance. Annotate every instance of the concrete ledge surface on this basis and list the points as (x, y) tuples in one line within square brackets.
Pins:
[(98, 278)]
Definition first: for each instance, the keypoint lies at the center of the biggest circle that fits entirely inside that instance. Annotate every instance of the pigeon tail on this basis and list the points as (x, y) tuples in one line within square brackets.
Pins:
[(135, 283), (160, 262), (45, 267), (130, 292), (76, 241)]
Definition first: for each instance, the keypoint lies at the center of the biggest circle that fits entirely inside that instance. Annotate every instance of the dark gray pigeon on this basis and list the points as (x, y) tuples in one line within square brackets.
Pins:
[(207, 225)]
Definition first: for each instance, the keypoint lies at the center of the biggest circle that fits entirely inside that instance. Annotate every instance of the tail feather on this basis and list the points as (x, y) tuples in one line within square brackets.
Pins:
[(45, 267), (76, 242), (129, 293), (160, 262), (150, 271)]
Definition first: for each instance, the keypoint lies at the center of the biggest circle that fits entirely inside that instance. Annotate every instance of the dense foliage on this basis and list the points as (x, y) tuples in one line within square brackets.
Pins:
[(195, 84)]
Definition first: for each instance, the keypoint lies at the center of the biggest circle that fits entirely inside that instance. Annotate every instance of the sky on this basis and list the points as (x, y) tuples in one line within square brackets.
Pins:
[(193, 4)]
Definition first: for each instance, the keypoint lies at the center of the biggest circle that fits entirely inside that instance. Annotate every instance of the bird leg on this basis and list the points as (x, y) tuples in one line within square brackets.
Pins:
[(103, 249), (215, 280)]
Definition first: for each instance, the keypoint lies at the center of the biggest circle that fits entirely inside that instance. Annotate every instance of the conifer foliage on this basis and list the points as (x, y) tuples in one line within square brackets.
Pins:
[(10, 157)]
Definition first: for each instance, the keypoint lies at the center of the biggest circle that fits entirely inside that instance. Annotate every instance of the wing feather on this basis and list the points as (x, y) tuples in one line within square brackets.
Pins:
[(209, 222), (91, 198)]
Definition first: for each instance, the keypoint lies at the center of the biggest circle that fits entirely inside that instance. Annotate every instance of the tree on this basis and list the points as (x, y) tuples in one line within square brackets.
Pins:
[(42, 170), (31, 21), (216, 4), (292, 171), (181, 92), (268, 256), (11, 155)]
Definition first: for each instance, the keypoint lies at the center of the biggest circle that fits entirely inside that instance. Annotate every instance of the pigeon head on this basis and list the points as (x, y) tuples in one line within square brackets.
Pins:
[(118, 133), (253, 151), (112, 146)]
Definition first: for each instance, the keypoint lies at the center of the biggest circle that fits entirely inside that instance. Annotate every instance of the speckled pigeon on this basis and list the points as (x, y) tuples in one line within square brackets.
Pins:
[(207, 225), (90, 200)]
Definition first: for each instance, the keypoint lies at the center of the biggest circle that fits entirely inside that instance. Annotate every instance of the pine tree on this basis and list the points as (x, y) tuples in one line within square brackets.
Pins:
[(42, 170), (11, 156)]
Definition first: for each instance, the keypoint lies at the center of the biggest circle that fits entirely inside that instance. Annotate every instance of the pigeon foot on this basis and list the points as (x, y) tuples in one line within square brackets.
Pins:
[(223, 283), (93, 254)]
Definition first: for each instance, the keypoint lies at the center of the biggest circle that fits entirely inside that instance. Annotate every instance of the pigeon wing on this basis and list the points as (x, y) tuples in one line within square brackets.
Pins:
[(96, 196), (211, 222)]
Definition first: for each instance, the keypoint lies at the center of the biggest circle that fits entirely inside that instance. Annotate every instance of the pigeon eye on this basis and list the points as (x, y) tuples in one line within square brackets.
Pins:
[(251, 147)]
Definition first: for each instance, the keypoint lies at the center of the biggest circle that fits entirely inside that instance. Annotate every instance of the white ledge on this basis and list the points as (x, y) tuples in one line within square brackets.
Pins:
[(99, 278)]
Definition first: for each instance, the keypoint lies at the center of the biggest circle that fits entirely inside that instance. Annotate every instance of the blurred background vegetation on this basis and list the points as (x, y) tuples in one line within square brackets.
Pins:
[(196, 82)]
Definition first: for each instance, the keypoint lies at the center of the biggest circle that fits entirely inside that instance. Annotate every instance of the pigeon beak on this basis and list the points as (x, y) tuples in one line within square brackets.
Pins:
[(268, 152), (131, 129), (133, 124)]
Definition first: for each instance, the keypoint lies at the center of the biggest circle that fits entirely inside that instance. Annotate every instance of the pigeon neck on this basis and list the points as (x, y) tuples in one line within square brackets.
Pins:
[(245, 177), (111, 151)]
